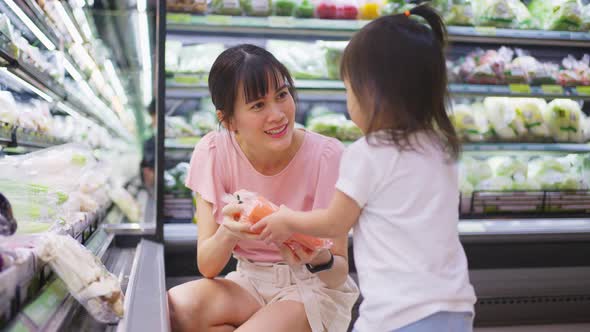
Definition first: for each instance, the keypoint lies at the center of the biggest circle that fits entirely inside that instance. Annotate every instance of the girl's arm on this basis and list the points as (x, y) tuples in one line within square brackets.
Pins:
[(215, 242), (333, 222)]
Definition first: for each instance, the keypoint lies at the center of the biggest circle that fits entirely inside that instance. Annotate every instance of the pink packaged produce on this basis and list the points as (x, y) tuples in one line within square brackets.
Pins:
[(256, 207)]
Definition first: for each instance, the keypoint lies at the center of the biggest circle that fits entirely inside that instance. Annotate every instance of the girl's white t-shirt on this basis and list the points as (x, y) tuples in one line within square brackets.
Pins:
[(408, 257)]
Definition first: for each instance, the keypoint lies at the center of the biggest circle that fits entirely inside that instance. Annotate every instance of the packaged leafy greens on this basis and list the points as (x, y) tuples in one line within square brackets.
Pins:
[(226, 7), (561, 15), (284, 7), (257, 7)]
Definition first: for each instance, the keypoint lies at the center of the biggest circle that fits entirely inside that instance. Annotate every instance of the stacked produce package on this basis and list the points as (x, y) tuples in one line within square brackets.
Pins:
[(561, 15), (50, 197), (521, 119)]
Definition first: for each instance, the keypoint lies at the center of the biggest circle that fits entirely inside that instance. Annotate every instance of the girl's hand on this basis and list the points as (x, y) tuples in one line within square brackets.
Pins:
[(275, 227), (298, 255), (231, 226)]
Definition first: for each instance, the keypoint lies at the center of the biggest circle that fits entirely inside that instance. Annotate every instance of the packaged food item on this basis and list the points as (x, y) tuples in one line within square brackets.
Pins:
[(305, 9), (257, 7), (563, 118), (455, 12), (485, 67), (475, 170), (192, 6), (575, 72), (284, 7), (87, 279), (561, 15), (470, 122), (369, 9), (226, 7), (304, 60), (496, 13), (326, 9), (531, 110), (334, 52), (501, 113), (126, 203), (346, 9), (256, 207)]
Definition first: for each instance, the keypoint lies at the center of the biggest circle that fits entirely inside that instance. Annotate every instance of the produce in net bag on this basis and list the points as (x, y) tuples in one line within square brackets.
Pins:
[(86, 277), (256, 207)]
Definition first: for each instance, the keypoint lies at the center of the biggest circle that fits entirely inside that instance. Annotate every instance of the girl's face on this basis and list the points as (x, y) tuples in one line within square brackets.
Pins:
[(267, 122), (352, 104)]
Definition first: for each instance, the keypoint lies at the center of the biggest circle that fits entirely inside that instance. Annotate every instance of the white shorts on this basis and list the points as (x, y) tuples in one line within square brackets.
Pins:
[(326, 309)]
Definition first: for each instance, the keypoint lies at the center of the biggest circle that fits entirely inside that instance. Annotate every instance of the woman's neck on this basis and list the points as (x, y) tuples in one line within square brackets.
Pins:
[(270, 163)]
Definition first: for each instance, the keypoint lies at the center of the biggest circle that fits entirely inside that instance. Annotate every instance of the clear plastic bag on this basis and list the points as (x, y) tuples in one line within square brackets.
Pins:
[(563, 117), (334, 52), (497, 13), (192, 6), (256, 207), (455, 12), (560, 15), (257, 7), (87, 279), (126, 203), (226, 7), (304, 60)]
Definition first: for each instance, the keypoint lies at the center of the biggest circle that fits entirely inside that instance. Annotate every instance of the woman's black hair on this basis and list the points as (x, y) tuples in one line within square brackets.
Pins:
[(253, 68), (396, 67)]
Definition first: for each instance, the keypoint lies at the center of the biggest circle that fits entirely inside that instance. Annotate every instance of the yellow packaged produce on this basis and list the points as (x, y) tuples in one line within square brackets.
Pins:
[(369, 10)]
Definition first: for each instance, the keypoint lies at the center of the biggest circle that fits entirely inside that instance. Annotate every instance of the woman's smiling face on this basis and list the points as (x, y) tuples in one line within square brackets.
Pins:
[(268, 121)]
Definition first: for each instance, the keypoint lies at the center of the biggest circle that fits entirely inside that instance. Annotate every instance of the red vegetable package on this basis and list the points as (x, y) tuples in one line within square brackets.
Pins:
[(256, 207)]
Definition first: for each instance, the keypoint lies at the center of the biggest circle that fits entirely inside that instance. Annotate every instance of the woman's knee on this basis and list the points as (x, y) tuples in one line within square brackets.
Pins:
[(187, 304)]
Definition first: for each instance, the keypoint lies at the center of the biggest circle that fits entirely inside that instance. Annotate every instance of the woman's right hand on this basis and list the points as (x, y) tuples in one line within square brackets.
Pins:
[(232, 227)]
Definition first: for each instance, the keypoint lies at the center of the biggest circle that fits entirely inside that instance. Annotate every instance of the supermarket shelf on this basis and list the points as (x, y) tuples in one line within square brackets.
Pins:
[(182, 143), (539, 147), (497, 230), (317, 28), (185, 86), (146, 305)]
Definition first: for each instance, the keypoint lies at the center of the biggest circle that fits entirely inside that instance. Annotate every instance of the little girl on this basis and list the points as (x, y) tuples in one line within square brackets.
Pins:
[(398, 185)]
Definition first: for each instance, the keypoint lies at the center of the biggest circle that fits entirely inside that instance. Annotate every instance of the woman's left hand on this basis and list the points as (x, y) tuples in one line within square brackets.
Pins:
[(300, 255)]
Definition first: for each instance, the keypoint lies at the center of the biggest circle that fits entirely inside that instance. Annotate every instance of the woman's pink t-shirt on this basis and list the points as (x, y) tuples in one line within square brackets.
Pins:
[(219, 167)]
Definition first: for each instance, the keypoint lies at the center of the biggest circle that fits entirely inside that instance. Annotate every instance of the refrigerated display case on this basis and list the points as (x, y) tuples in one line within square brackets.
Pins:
[(526, 238), (69, 163)]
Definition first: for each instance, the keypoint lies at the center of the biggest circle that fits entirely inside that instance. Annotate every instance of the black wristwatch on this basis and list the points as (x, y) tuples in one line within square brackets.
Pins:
[(323, 267)]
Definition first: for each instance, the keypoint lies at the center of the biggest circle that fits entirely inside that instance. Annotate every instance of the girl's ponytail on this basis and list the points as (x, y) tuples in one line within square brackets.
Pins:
[(434, 20)]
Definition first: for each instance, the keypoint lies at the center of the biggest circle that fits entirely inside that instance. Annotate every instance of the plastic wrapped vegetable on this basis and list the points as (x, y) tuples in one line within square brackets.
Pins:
[(86, 277), (284, 7), (531, 110), (9, 112), (470, 122), (7, 222), (556, 173), (561, 15), (347, 9), (475, 171), (126, 203), (369, 9), (575, 72), (334, 51), (496, 13), (326, 9), (193, 6), (226, 7), (305, 9), (199, 58), (513, 168), (455, 12), (304, 60), (257, 7), (563, 118), (501, 113), (393, 7), (585, 18), (327, 124), (497, 183), (256, 207)]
